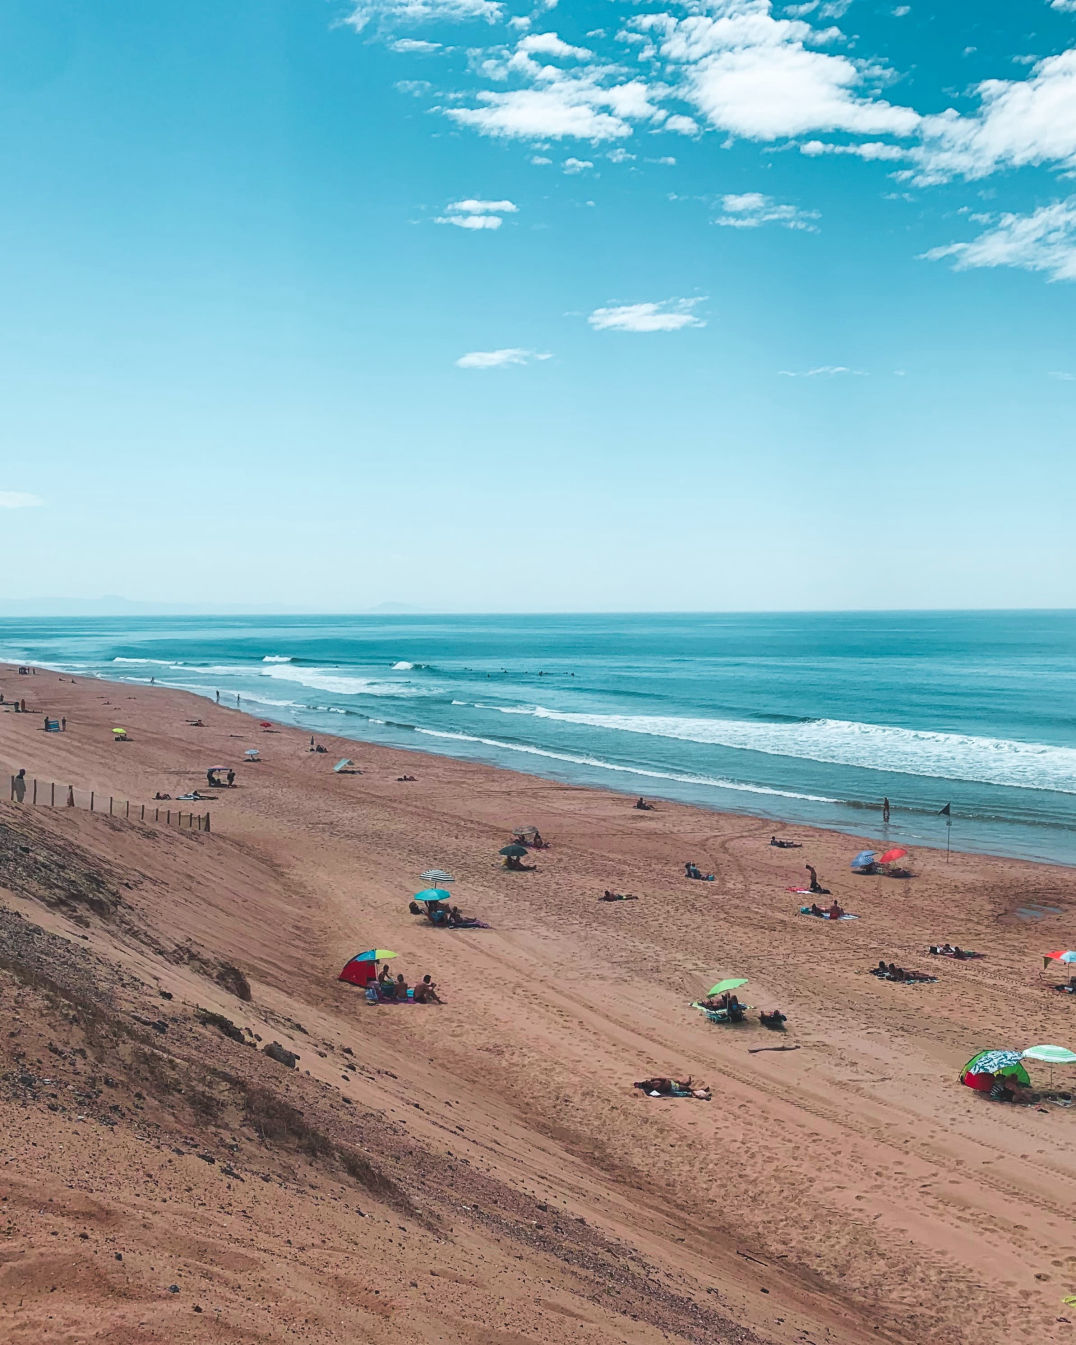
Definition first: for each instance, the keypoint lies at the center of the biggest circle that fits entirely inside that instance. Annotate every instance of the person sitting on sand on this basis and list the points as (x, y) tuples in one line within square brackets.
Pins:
[(643, 806), (399, 987), (775, 1018), (836, 910), (426, 992), (1069, 988), (405, 779), (460, 921), (667, 1087), (384, 976), (513, 862), (436, 913), (815, 909)]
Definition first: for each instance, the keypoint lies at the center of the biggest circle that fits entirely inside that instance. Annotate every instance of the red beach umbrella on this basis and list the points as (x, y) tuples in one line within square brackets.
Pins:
[(891, 855)]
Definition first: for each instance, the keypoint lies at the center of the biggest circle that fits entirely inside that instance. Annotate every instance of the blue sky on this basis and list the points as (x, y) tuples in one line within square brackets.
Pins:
[(480, 306)]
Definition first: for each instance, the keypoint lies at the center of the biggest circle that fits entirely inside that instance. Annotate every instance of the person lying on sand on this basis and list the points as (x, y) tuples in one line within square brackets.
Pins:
[(426, 992), (1069, 989), (159, 795), (950, 950), (785, 845), (675, 1088), (617, 896)]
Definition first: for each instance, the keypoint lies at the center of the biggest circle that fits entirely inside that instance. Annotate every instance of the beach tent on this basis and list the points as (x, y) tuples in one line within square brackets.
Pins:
[(362, 969), (525, 833), (345, 766), (982, 1069), (863, 861)]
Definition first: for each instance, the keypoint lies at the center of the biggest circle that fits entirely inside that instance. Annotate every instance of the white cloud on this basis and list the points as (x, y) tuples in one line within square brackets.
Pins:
[(471, 214), (1020, 122), (749, 210), (681, 125), (540, 159), (1043, 241), (902, 11), (19, 499), (567, 106), (823, 371), (577, 165), (404, 45), (422, 11), (497, 359), (549, 44), (866, 149), (619, 155), (670, 315), (1065, 6)]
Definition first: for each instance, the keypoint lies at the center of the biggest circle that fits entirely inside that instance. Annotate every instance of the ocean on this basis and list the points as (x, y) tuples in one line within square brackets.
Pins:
[(808, 718)]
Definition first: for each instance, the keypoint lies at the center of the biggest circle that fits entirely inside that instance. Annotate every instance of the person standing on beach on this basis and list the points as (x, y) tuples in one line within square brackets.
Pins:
[(218, 697), (18, 787), (885, 811)]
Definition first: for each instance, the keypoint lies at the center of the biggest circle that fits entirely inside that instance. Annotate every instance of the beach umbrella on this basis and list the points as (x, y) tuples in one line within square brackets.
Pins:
[(890, 855), (433, 894), (342, 764), (437, 876), (374, 955), (524, 831), (123, 731), (732, 983), (513, 851), (1061, 955), (863, 860), (1051, 1055)]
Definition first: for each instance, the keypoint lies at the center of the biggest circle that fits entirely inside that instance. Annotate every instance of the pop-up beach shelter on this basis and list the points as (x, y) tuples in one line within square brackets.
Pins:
[(362, 969), (982, 1069)]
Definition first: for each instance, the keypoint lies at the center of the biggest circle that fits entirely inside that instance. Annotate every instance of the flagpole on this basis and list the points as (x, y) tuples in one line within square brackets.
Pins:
[(948, 836)]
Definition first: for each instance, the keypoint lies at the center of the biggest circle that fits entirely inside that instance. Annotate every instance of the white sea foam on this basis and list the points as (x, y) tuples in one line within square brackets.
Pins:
[(323, 679), (158, 662), (403, 666), (626, 770), (880, 747), (276, 658)]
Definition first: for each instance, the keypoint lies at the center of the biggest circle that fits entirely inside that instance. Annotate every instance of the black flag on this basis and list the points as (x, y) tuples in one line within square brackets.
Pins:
[(946, 811)]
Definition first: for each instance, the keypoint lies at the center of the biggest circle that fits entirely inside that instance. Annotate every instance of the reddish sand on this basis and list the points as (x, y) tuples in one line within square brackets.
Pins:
[(845, 1190)]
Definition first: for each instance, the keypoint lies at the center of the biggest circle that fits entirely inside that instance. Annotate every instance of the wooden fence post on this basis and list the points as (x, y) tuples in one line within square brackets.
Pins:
[(110, 805), (168, 819), (70, 796), (156, 814), (35, 789), (53, 802), (207, 827), (143, 812), (91, 800)]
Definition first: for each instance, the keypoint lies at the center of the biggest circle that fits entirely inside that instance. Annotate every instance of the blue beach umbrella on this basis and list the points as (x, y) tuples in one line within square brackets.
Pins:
[(863, 860), (433, 894)]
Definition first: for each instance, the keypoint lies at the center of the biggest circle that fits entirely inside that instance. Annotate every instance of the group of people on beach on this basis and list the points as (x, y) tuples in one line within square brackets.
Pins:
[(396, 988)]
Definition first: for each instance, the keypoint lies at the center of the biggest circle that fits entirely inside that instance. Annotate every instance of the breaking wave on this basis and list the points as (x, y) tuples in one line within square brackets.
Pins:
[(342, 684), (841, 742)]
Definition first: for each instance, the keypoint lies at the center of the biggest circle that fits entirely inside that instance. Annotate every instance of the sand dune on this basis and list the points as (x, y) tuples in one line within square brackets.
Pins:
[(512, 1184)]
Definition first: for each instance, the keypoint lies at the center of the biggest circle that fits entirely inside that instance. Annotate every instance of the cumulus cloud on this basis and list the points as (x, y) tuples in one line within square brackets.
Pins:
[(864, 149), (1065, 6), (823, 371), (572, 165), (562, 105), (19, 499), (1043, 241), (670, 315), (497, 359), (749, 210), (472, 214), (1020, 122), (549, 44)]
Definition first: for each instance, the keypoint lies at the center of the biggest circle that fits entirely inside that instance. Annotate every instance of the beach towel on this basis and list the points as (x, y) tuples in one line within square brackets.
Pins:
[(807, 892), (825, 915)]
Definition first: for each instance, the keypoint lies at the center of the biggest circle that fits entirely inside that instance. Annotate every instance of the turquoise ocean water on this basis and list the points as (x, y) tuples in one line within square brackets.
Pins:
[(801, 718)]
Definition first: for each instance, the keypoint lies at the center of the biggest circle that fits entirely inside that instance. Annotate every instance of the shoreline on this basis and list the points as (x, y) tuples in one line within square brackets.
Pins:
[(880, 837)]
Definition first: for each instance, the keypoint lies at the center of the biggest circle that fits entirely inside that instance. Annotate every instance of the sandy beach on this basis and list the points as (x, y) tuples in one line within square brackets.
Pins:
[(483, 1171)]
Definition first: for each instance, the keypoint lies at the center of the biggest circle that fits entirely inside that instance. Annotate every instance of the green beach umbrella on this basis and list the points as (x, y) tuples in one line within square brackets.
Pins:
[(733, 983), (1051, 1055), (513, 851)]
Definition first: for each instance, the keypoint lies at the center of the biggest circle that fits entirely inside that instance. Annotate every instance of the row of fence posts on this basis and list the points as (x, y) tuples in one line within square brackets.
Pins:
[(194, 821)]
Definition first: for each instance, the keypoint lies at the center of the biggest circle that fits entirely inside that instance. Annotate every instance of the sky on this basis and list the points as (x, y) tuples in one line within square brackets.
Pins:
[(481, 305)]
